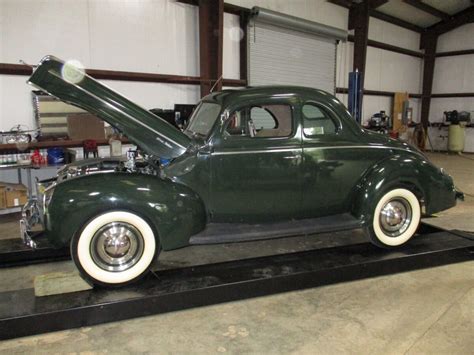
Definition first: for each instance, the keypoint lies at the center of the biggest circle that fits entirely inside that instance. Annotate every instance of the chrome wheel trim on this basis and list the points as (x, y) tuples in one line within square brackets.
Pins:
[(395, 217), (116, 246)]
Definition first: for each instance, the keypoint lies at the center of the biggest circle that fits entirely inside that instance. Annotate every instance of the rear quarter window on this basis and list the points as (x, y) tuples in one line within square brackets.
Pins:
[(317, 122)]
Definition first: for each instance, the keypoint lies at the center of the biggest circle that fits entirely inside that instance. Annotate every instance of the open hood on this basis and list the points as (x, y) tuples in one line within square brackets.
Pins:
[(71, 85)]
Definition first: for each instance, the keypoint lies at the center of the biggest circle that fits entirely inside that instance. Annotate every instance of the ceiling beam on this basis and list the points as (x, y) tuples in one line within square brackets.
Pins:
[(344, 3), (428, 9), (396, 21), (373, 4), (461, 18), (389, 47), (377, 3), (381, 16)]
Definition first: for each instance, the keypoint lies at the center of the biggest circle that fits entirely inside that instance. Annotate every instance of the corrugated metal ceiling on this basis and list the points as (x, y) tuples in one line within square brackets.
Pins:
[(404, 11), (449, 6), (408, 13)]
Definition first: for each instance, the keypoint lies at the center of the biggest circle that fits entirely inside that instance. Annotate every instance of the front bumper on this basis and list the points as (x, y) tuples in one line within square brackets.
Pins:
[(31, 223)]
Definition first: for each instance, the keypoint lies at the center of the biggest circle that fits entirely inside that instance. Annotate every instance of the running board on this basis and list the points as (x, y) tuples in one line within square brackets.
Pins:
[(216, 233)]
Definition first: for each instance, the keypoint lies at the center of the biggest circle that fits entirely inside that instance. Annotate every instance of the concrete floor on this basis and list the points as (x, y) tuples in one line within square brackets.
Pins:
[(425, 311), (461, 168)]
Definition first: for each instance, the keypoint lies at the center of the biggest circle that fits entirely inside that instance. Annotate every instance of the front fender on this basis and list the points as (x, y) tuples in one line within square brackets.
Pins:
[(174, 211), (411, 171)]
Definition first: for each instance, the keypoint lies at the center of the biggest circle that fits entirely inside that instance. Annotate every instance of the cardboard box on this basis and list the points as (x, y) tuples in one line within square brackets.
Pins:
[(85, 126), (13, 195)]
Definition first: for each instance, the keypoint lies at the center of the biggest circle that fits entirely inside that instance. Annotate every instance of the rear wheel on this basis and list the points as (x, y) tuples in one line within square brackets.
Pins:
[(395, 218), (114, 248)]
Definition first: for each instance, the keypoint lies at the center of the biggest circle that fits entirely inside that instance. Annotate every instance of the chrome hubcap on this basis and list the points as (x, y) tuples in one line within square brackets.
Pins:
[(395, 217), (117, 246)]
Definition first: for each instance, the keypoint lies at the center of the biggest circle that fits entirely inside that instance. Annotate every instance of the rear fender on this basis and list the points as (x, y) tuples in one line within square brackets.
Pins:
[(174, 211), (434, 189)]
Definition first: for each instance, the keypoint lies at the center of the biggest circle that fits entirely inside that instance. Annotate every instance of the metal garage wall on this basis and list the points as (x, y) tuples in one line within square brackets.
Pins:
[(282, 56), (119, 41), (453, 74)]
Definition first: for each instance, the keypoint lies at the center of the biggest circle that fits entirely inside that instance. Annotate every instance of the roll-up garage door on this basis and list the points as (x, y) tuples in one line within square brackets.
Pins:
[(288, 55)]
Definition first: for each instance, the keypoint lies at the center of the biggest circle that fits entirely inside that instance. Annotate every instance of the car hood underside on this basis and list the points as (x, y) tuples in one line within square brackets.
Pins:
[(72, 85)]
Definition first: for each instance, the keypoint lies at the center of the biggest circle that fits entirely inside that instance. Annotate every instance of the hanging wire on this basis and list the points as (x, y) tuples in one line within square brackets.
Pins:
[(29, 65), (215, 84)]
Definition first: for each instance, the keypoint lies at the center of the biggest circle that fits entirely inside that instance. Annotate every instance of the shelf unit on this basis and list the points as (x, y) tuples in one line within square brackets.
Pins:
[(67, 143), (4, 211)]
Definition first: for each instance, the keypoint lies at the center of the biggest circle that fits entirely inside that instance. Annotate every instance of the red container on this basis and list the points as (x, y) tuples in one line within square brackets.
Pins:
[(394, 134)]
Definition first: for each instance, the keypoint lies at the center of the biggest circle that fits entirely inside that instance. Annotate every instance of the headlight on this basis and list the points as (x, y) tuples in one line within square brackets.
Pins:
[(68, 172), (73, 171)]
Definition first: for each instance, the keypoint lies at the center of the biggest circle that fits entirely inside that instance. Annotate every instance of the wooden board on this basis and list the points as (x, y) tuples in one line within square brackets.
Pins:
[(57, 283), (398, 111)]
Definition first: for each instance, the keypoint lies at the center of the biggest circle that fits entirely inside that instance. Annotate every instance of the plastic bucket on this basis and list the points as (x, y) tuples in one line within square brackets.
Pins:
[(55, 156)]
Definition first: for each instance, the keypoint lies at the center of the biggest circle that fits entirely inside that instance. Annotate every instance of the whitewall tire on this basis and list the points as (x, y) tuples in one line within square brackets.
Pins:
[(395, 218), (114, 248)]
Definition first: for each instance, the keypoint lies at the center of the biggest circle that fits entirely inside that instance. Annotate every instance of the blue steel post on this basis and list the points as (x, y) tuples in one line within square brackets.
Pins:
[(355, 96)]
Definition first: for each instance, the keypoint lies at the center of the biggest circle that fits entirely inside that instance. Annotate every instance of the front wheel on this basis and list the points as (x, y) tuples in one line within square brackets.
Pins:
[(395, 218), (114, 248)]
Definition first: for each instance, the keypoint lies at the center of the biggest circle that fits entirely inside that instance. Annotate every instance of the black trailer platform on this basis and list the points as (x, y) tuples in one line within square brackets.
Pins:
[(13, 252), (21, 313)]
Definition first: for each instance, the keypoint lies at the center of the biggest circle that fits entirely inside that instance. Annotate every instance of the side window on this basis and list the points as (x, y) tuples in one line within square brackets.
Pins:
[(262, 118), (316, 122), (274, 120)]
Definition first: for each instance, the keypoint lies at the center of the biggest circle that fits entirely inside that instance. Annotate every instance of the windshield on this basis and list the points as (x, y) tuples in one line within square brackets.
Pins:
[(203, 118)]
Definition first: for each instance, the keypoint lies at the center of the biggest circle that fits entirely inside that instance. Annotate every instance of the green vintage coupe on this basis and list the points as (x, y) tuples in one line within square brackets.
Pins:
[(252, 164)]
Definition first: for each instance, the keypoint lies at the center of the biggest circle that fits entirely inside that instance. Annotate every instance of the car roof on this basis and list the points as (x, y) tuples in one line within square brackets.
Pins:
[(233, 95)]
